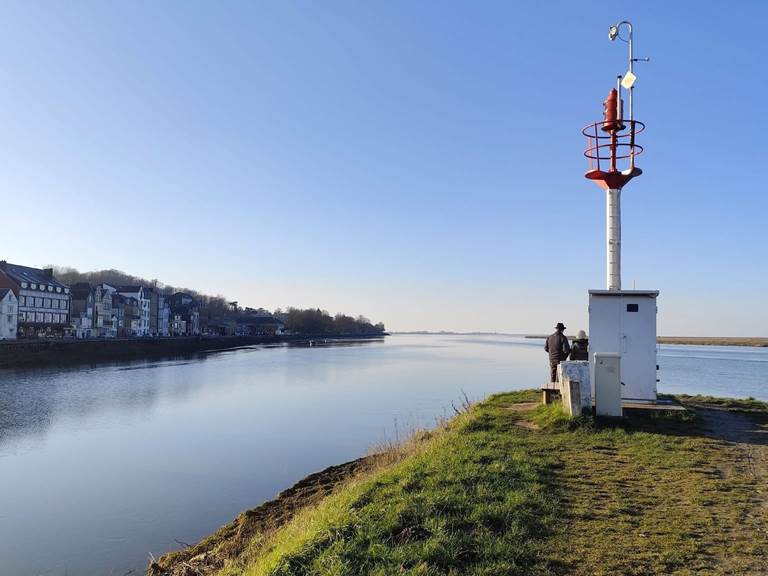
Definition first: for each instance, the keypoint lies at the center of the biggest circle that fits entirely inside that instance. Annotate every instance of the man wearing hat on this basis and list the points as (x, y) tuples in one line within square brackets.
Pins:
[(558, 347)]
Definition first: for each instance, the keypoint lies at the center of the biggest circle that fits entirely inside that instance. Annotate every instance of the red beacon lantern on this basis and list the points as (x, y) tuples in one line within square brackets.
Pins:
[(611, 147)]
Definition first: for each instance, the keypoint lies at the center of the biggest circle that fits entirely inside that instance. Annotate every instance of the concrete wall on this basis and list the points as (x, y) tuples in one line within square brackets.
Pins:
[(41, 352), (575, 387)]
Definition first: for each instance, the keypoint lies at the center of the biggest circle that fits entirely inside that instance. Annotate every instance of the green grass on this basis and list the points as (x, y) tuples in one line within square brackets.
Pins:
[(485, 496), (731, 404)]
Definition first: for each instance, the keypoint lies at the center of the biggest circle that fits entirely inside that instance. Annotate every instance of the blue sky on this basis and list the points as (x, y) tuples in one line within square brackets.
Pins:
[(417, 162)]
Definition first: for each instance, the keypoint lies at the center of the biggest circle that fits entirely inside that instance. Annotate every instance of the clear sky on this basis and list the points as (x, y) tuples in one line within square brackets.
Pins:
[(417, 162)]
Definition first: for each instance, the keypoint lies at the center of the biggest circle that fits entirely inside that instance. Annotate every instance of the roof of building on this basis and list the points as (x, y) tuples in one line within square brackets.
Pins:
[(625, 293), (3, 292), (128, 288), (117, 297), (20, 273), (80, 290)]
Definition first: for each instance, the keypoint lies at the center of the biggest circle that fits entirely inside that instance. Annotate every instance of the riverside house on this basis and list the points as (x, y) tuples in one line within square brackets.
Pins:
[(9, 314), (159, 311), (44, 302), (105, 319), (82, 311), (185, 315), (139, 327)]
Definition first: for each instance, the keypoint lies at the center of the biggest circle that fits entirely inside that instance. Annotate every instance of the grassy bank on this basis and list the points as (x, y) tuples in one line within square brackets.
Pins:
[(511, 487)]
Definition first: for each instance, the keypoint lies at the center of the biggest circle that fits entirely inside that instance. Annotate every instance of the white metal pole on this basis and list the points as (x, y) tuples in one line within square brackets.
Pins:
[(613, 237)]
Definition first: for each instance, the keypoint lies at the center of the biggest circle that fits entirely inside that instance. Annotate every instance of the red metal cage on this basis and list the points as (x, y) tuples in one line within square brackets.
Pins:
[(611, 151)]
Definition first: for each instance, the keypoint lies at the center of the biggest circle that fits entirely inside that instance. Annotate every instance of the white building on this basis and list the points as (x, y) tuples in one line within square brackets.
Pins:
[(163, 316), (43, 301), (9, 314), (104, 320), (142, 325)]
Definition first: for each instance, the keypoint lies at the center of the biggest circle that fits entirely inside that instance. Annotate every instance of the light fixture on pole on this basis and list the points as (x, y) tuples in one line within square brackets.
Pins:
[(628, 81)]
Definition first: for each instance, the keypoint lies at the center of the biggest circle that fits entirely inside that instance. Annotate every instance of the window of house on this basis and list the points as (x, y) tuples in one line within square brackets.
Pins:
[(23, 284), (38, 302), (64, 304), (38, 316), (58, 289), (33, 286), (21, 300), (48, 317), (633, 307), (46, 302)]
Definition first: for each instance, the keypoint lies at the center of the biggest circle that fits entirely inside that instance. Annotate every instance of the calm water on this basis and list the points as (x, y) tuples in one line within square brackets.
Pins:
[(99, 467)]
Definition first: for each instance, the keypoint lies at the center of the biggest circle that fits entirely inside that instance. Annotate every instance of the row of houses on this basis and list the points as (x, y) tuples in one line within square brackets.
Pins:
[(34, 304)]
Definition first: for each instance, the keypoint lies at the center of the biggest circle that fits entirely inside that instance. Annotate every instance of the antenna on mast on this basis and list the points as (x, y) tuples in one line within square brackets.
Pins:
[(628, 81)]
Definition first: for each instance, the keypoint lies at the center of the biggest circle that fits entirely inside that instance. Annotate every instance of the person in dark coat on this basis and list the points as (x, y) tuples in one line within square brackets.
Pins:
[(558, 347), (580, 347)]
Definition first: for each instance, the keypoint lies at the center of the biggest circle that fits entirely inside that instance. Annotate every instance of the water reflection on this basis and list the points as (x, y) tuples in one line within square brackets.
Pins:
[(32, 400)]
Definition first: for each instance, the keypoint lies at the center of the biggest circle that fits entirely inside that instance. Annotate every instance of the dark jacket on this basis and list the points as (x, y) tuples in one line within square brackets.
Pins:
[(580, 349), (558, 347)]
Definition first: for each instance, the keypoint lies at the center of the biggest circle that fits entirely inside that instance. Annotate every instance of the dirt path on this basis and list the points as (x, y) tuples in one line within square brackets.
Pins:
[(749, 437)]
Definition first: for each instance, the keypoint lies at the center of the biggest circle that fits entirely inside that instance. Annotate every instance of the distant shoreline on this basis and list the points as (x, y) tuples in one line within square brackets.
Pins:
[(701, 340), (757, 342)]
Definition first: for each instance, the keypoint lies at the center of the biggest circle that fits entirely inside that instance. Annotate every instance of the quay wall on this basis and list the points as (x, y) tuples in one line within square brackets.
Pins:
[(47, 352)]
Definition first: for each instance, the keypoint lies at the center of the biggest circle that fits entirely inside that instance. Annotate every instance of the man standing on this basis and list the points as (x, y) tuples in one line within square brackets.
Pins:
[(558, 347)]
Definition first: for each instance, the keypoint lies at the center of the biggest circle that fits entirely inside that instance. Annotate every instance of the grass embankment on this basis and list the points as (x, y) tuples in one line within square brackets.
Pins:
[(511, 487)]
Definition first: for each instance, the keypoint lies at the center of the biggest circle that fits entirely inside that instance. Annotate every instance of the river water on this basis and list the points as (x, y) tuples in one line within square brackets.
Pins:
[(101, 466)]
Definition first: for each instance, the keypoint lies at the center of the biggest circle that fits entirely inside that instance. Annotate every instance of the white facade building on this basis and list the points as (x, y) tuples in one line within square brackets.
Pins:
[(105, 321), (9, 314), (44, 302), (163, 316), (141, 327)]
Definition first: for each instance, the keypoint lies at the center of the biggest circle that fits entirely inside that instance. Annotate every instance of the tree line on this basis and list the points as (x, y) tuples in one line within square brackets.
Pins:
[(316, 321)]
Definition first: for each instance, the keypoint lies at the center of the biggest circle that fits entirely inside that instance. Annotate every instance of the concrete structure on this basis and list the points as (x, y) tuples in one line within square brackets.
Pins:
[(575, 386), (624, 322), (9, 314), (44, 302)]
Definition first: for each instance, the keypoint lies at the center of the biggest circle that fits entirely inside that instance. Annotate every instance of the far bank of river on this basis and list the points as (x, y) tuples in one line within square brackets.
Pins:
[(55, 352), (757, 342)]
